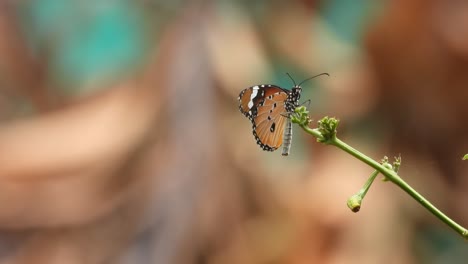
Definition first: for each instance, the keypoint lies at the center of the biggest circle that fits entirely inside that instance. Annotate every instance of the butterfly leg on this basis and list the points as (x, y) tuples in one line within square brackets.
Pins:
[(307, 102)]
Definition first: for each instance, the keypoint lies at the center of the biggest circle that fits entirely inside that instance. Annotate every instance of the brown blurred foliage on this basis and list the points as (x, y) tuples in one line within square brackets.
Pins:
[(160, 167), (419, 53)]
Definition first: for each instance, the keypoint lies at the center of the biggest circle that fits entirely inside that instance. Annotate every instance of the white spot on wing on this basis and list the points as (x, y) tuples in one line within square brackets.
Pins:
[(252, 96)]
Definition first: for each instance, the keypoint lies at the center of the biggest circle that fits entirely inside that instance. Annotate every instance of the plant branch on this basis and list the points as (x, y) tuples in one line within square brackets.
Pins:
[(355, 201), (326, 133)]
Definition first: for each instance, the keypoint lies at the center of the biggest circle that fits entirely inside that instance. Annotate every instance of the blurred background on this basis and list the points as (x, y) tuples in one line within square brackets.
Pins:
[(121, 140)]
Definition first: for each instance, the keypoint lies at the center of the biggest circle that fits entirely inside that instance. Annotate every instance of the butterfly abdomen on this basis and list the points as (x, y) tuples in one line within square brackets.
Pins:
[(287, 138)]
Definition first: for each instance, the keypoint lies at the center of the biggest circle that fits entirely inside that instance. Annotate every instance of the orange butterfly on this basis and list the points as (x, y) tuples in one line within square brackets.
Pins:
[(268, 107)]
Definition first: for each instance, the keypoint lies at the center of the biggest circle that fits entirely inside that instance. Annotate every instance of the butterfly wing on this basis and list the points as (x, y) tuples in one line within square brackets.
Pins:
[(250, 98), (264, 105), (269, 122)]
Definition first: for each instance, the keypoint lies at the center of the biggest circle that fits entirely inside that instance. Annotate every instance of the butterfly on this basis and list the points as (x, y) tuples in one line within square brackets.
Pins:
[(269, 107)]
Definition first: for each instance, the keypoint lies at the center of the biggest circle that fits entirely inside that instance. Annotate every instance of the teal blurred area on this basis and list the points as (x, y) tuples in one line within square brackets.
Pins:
[(349, 19), (121, 139), (86, 42)]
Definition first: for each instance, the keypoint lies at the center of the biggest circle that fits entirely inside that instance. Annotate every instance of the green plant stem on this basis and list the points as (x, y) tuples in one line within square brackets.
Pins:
[(368, 184), (391, 176)]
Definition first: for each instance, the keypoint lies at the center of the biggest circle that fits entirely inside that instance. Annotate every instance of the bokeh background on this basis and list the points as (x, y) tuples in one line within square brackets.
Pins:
[(121, 140)]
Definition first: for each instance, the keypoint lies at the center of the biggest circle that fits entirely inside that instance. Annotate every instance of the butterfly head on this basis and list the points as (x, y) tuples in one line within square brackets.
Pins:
[(297, 89), (296, 92), (295, 95)]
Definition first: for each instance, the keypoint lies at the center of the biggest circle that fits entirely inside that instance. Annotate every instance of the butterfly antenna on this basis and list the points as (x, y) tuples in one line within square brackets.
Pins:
[(291, 79), (324, 73)]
